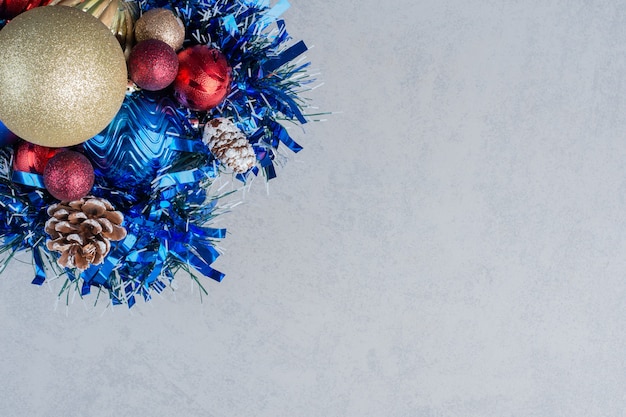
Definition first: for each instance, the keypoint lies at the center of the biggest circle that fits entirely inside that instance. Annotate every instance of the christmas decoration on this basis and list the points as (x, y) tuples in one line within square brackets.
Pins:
[(158, 162), (118, 15), (203, 78), (143, 138), (68, 176), (11, 8), (32, 158), (56, 63), (82, 231), (153, 65), (163, 25), (229, 145)]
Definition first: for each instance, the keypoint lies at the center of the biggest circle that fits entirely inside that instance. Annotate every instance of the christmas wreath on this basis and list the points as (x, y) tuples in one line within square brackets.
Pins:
[(118, 119)]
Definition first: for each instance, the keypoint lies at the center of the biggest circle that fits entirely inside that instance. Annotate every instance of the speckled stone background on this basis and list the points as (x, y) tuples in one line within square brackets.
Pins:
[(451, 244)]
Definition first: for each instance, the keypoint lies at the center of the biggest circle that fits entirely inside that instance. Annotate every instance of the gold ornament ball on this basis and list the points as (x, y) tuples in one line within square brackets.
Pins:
[(160, 24), (118, 15), (62, 76)]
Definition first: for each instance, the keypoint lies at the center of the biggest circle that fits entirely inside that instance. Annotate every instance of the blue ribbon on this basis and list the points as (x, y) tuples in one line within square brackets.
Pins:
[(86, 288), (40, 273), (287, 55), (278, 131), (27, 178), (179, 178), (99, 274), (185, 145), (199, 263)]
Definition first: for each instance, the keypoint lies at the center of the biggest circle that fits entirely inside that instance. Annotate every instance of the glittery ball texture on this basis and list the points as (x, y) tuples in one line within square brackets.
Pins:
[(62, 75), (163, 25), (118, 15), (152, 65), (68, 176)]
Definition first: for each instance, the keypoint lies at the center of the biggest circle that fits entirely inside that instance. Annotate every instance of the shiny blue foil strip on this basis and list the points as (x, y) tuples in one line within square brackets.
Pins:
[(230, 24), (274, 13), (28, 179), (40, 273), (291, 53)]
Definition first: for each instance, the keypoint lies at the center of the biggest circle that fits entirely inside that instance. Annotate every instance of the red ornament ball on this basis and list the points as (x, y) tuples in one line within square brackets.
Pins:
[(32, 158), (203, 79), (152, 64), (11, 8), (68, 176)]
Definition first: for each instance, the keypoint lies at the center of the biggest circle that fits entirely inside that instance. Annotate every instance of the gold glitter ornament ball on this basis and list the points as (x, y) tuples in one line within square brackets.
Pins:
[(163, 25), (62, 76), (118, 15)]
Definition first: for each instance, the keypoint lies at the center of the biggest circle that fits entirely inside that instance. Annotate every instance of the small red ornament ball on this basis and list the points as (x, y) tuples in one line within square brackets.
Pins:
[(32, 158), (11, 8), (152, 64), (68, 176), (203, 78)]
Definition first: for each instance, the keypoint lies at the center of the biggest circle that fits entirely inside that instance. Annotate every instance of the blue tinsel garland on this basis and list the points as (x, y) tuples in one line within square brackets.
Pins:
[(152, 165)]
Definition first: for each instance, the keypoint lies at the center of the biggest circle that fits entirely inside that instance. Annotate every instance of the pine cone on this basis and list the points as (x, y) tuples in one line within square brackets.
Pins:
[(81, 230), (229, 145)]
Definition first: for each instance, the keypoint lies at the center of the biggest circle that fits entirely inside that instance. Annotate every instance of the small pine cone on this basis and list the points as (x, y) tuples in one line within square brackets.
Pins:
[(229, 145), (82, 231)]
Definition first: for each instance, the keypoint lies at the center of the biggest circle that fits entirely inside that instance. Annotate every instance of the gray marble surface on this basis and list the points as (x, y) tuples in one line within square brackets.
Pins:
[(451, 243)]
